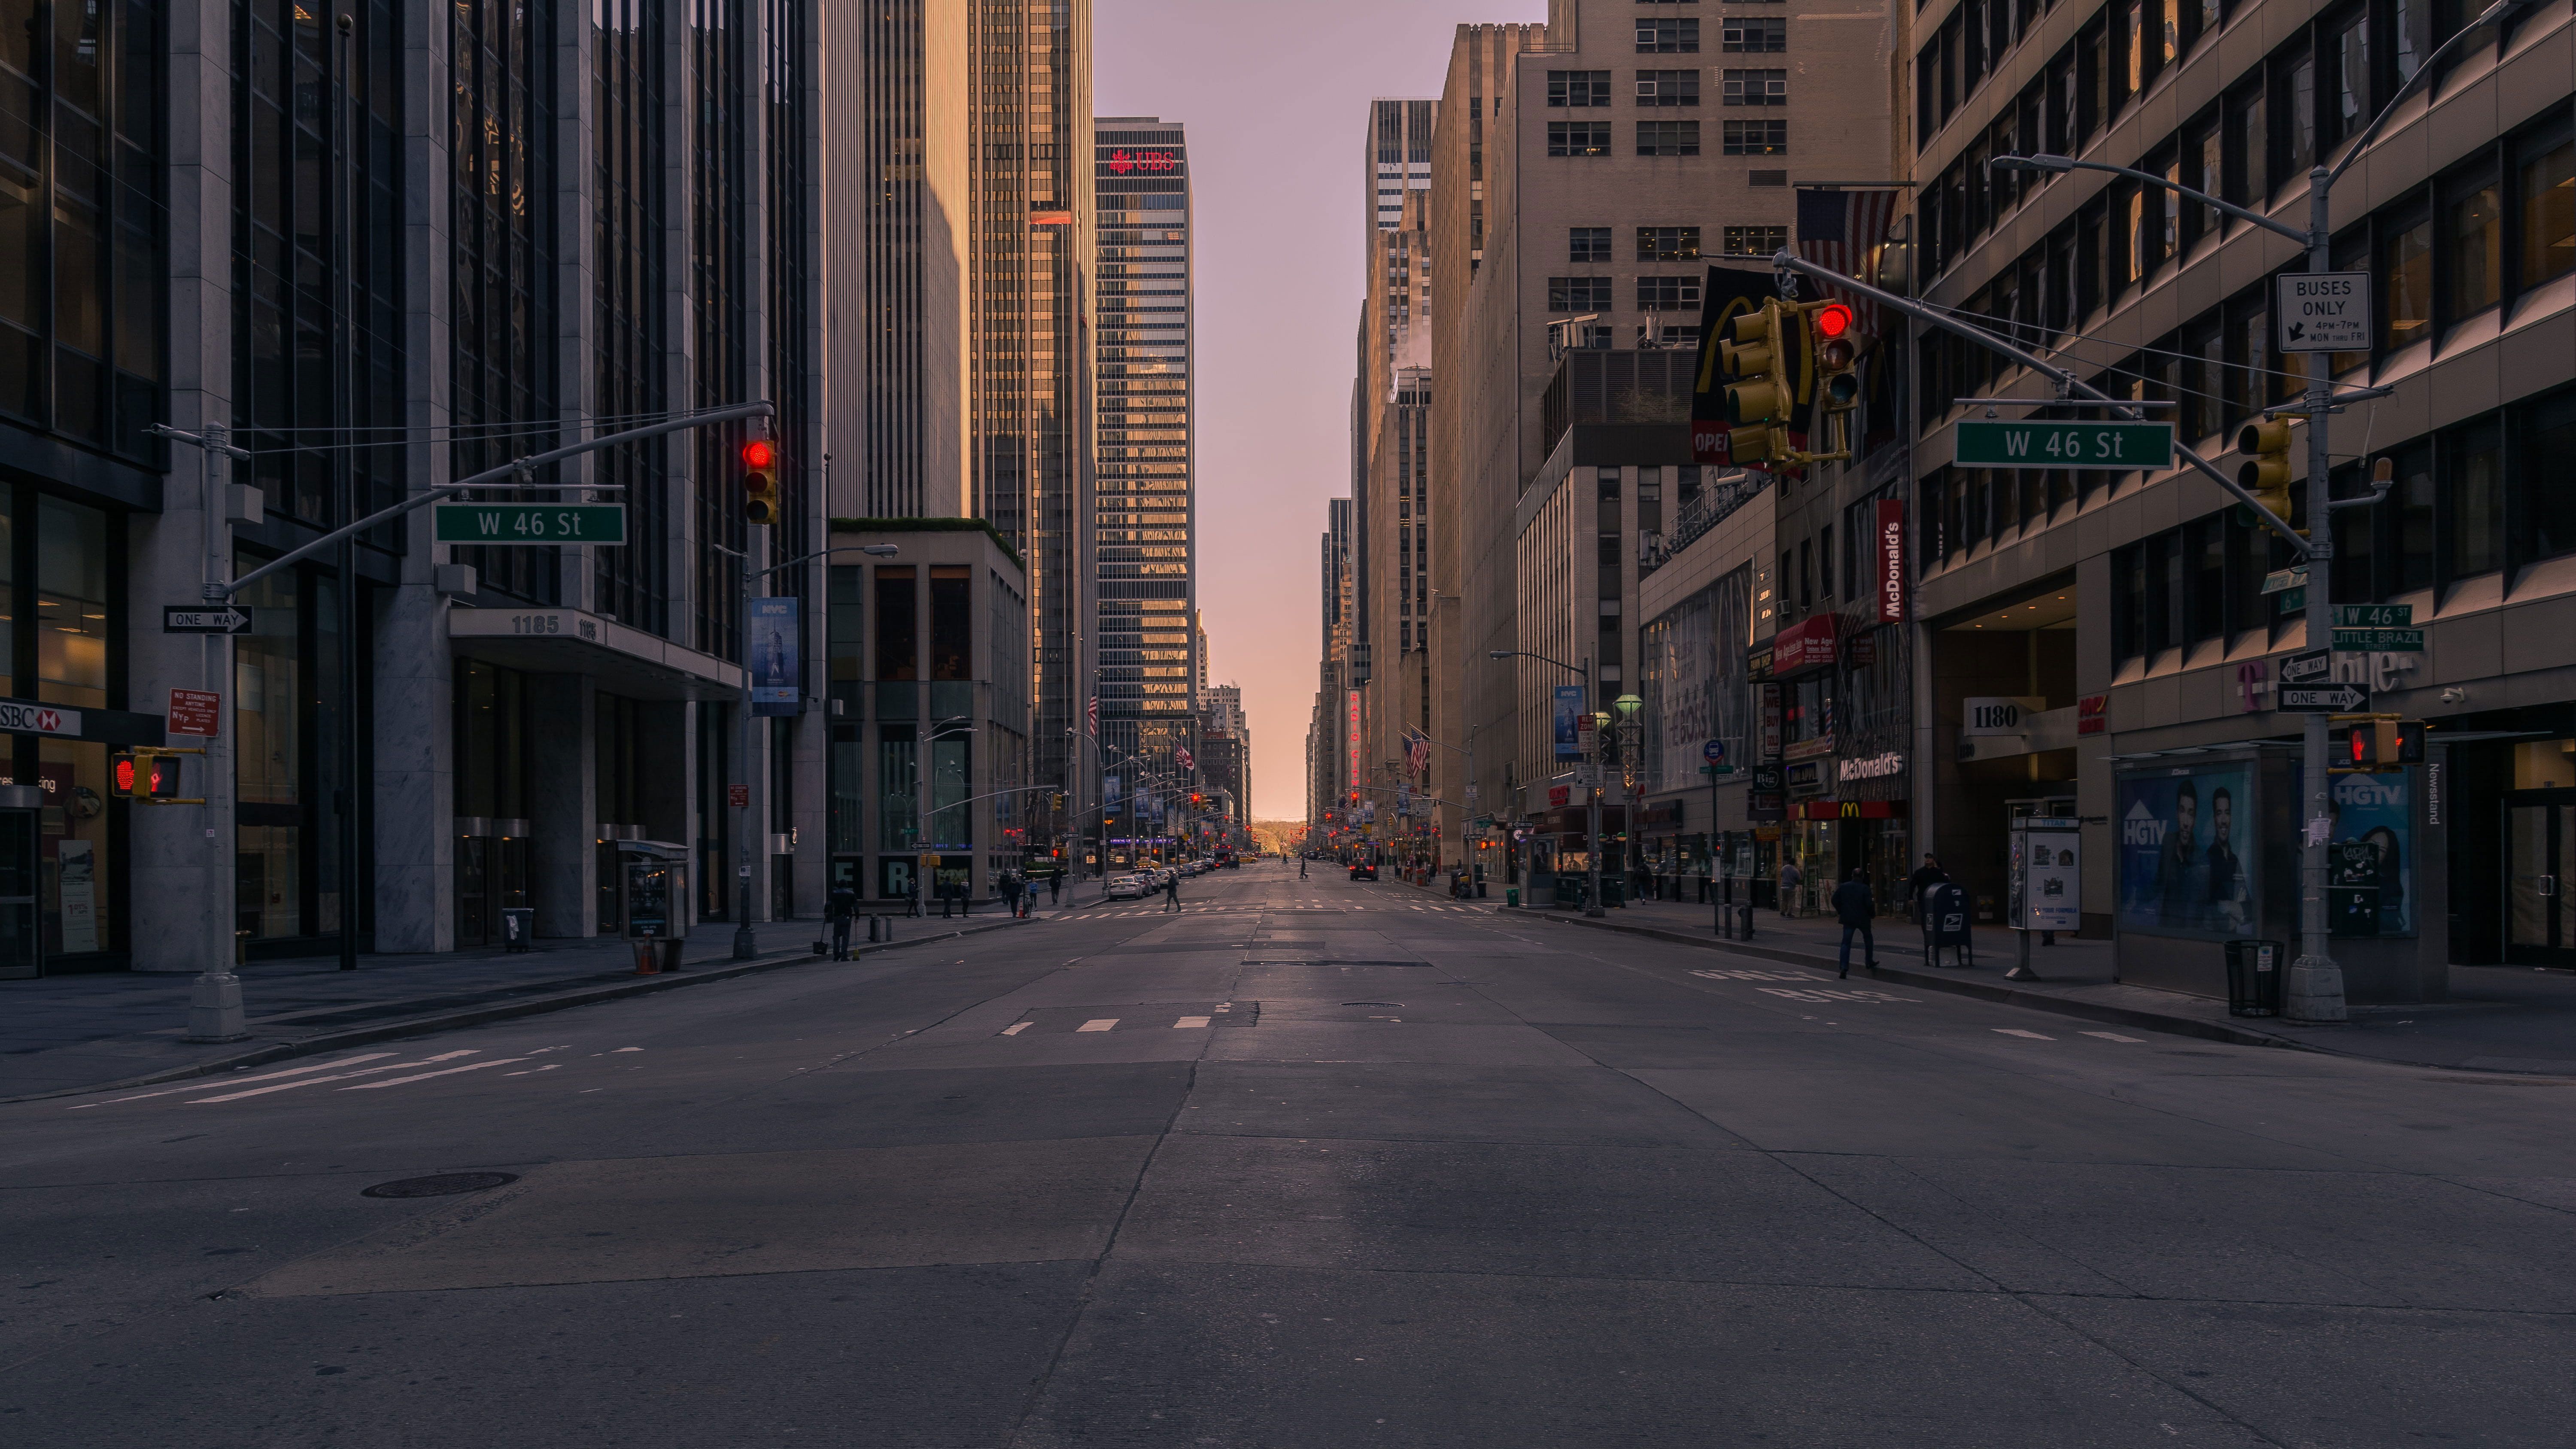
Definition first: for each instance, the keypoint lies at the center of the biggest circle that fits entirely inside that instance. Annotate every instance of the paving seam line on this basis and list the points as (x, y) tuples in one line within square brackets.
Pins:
[(2008, 995), (480, 1015)]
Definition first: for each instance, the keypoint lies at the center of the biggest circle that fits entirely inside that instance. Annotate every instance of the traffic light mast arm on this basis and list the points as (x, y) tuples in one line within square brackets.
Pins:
[(491, 476), (2069, 382)]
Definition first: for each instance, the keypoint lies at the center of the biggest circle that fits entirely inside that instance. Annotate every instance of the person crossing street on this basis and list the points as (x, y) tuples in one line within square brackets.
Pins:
[(1854, 908), (1172, 892)]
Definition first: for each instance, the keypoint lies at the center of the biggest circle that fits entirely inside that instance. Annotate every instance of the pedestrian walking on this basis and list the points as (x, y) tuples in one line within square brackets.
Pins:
[(1172, 892), (1790, 880), (1301, 867), (1925, 877), (1011, 894), (1853, 907), (840, 907), (1055, 887)]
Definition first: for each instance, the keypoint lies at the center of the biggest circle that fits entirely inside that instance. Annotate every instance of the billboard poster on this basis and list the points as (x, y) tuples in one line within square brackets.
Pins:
[(2188, 857), (2373, 811), (2047, 880), (777, 676), (1569, 713)]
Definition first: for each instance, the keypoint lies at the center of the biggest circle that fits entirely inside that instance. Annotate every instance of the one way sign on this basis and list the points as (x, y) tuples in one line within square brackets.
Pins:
[(2335, 699), (178, 619)]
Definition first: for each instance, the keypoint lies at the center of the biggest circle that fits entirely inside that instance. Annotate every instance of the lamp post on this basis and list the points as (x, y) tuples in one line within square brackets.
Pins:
[(2314, 991), (1630, 731)]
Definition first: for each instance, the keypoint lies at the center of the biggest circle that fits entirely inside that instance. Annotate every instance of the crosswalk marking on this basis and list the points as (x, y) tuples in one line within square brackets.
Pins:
[(335, 1077), (2017, 1031), (1015, 1028), (2115, 1036), (425, 1076), (238, 1081), (1102, 1023), (1189, 1021)]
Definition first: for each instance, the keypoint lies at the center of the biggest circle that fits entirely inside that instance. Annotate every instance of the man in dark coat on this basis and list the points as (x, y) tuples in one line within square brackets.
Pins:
[(1854, 908), (1924, 878), (840, 908)]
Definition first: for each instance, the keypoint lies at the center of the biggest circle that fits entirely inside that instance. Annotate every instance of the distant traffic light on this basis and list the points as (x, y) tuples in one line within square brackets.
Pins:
[(2265, 473), (760, 481)]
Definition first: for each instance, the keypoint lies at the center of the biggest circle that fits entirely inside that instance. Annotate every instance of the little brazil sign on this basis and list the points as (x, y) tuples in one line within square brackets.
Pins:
[(529, 523), (2065, 445)]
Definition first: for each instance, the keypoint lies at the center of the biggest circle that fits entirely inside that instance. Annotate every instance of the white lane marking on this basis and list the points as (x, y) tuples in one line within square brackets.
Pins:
[(2017, 1031), (1750, 976), (548, 1067), (1015, 1028), (626, 1049), (2115, 1036), (238, 1081), (425, 1076), (1098, 1024), (336, 1077), (1189, 1021)]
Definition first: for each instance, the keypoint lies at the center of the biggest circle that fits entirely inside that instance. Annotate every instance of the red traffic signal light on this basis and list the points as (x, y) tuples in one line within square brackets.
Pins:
[(1834, 320), (760, 481)]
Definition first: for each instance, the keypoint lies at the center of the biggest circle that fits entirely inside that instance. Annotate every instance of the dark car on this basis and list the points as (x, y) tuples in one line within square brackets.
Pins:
[(1362, 870)]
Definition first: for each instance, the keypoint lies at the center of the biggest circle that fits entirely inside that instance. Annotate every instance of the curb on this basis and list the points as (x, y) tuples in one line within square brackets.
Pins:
[(2103, 1012), (481, 1015)]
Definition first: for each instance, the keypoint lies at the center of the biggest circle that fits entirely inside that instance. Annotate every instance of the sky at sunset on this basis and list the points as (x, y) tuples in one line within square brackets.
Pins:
[(1275, 95)]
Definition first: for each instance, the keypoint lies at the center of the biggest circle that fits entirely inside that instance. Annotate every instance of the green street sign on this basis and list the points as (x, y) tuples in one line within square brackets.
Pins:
[(2373, 616), (1717, 769), (2065, 445), (529, 523), (2293, 601), (2289, 578), (2386, 641)]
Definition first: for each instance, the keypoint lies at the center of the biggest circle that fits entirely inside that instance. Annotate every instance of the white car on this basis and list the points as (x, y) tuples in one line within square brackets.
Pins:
[(1126, 888)]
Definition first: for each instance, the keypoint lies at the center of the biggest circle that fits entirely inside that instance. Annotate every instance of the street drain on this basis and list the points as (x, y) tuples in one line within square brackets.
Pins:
[(442, 1185)]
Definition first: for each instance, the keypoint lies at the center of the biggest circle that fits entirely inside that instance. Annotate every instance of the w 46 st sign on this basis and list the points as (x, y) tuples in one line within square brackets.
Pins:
[(2065, 445)]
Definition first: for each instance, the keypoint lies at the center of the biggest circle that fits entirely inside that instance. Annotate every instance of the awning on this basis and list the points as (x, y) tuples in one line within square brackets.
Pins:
[(621, 659)]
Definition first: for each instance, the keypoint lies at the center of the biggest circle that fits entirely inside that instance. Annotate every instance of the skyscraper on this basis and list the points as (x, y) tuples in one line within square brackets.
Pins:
[(1031, 344), (1143, 529), (1397, 157)]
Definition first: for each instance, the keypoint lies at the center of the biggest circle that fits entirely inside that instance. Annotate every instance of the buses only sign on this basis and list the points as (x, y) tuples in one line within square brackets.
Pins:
[(2324, 312)]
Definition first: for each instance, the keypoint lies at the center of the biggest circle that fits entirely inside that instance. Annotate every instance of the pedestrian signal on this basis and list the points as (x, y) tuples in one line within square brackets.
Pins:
[(760, 481)]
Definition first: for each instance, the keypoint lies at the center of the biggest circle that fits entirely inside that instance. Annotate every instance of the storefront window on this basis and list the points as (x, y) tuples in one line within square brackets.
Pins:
[(269, 755), (896, 802), (73, 776)]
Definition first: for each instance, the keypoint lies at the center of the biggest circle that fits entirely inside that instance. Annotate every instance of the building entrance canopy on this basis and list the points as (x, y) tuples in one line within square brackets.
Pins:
[(621, 659)]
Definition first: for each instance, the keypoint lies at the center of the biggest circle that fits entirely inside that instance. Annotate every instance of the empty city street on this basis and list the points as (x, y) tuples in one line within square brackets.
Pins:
[(1309, 1163)]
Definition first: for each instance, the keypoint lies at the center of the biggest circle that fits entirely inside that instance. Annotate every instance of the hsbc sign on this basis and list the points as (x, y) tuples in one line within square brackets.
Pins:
[(17, 717)]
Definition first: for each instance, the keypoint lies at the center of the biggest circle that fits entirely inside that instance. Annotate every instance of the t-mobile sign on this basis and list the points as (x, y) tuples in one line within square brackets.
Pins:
[(1891, 561)]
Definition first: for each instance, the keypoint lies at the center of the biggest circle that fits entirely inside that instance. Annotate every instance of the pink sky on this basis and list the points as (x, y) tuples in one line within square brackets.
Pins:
[(1275, 94)]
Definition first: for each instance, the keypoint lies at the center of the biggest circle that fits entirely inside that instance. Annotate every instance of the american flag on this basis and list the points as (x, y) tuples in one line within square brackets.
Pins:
[(1417, 751), (1837, 231), (1186, 760)]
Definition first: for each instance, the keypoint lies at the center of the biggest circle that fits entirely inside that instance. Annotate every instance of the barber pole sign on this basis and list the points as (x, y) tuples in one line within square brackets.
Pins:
[(1891, 561)]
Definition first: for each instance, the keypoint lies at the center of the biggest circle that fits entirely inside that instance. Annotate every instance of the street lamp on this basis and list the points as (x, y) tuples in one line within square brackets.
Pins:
[(2315, 989)]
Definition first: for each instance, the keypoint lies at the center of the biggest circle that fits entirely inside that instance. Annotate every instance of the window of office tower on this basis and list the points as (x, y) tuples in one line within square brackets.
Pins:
[(317, 251), (634, 582), (81, 222), (503, 318)]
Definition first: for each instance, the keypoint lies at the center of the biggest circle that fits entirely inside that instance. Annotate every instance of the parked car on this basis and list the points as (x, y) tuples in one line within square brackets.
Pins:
[(1126, 888), (1363, 870)]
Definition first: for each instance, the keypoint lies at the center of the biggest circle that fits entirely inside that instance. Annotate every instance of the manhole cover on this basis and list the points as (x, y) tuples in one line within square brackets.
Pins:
[(442, 1185)]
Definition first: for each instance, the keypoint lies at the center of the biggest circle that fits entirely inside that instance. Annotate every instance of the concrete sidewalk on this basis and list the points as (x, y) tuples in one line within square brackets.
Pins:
[(2499, 1018), (73, 1033)]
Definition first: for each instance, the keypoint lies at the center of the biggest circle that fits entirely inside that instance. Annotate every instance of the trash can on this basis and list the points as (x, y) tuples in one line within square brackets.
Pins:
[(2253, 978), (1512, 897), (518, 927)]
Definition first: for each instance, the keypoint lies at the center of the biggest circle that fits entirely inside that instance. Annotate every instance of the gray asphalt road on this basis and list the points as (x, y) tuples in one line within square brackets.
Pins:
[(1311, 1164)]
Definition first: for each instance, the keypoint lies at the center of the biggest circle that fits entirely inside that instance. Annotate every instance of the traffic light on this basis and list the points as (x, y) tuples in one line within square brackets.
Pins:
[(149, 776), (760, 481), (1837, 353), (1758, 391), (2265, 473)]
